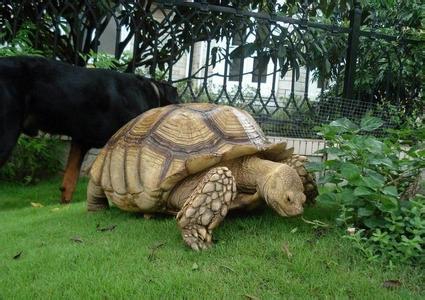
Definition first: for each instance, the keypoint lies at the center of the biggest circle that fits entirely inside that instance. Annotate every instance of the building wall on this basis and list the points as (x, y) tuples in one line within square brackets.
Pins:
[(108, 38)]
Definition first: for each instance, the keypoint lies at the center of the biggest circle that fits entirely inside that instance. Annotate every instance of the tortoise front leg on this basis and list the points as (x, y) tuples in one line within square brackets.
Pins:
[(206, 207)]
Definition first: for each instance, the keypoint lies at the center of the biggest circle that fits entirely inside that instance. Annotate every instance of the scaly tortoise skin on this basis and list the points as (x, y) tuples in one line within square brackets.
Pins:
[(197, 161)]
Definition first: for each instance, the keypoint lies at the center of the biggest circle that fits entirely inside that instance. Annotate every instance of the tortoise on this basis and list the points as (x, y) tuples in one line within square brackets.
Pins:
[(197, 161)]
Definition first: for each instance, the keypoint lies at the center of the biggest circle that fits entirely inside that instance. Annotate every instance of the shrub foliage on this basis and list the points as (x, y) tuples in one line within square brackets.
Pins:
[(33, 159), (373, 182)]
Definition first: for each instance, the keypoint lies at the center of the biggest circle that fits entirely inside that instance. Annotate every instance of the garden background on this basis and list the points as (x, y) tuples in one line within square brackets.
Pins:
[(350, 72)]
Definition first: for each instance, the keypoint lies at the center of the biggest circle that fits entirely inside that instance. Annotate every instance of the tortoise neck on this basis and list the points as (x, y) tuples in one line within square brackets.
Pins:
[(256, 171)]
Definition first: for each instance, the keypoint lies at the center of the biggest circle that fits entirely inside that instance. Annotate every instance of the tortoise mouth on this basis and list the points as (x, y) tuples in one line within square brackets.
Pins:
[(279, 209), (295, 211)]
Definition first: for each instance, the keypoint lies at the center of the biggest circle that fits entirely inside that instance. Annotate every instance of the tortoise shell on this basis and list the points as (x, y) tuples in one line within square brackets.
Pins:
[(149, 155)]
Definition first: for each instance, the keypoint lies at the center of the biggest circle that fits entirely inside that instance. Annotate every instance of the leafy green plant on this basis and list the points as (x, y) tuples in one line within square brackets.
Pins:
[(21, 44), (33, 159), (370, 179), (101, 60), (104, 60)]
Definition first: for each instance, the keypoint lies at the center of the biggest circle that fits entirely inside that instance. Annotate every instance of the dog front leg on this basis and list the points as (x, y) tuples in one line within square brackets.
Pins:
[(72, 171), (11, 117)]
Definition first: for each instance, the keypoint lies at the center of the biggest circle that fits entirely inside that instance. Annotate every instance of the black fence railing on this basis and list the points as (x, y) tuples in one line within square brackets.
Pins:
[(291, 70)]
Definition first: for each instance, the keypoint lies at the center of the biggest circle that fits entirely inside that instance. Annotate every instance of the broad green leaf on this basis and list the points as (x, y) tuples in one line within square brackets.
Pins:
[(242, 51), (344, 125), (388, 203), (372, 182), (369, 123), (333, 164), (382, 161), (356, 144), (373, 179), (373, 222), (390, 191), (377, 176), (329, 178), (365, 212), (281, 51), (373, 145), (350, 171), (334, 151), (358, 181), (315, 166), (362, 191), (326, 198), (347, 196), (327, 188)]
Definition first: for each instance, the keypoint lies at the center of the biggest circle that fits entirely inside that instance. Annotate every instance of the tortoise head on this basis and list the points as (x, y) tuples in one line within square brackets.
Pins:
[(284, 192)]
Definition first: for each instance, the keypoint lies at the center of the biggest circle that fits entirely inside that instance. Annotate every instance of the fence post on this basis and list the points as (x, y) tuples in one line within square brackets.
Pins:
[(352, 50)]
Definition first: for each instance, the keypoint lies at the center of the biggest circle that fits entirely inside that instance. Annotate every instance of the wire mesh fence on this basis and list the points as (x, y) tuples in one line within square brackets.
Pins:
[(292, 67)]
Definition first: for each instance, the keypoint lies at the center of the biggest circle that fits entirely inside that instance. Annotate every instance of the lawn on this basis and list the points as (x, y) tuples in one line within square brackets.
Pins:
[(59, 251)]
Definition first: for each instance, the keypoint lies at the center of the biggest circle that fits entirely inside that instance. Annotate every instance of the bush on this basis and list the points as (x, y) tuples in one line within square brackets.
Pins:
[(33, 159), (371, 180), (21, 43)]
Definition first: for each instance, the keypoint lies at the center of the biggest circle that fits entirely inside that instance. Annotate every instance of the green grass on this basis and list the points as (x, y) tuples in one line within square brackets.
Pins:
[(247, 260)]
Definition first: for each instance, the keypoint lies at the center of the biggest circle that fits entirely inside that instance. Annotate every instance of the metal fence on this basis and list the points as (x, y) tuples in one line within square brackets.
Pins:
[(291, 72)]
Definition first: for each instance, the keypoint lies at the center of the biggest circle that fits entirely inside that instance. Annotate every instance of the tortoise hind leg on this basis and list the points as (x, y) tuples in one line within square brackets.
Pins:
[(96, 198), (206, 207)]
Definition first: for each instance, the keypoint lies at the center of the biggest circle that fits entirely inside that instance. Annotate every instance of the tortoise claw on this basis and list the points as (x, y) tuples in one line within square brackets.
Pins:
[(195, 239)]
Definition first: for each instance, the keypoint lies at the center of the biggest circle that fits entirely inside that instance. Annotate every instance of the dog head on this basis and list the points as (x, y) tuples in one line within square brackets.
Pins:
[(165, 93)]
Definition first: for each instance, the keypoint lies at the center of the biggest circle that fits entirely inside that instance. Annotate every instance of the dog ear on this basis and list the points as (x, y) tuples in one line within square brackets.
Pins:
[(171, 95), (168, 93)]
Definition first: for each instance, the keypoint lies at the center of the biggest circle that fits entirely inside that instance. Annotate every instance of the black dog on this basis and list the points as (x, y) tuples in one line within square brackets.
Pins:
[(89, 105)]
